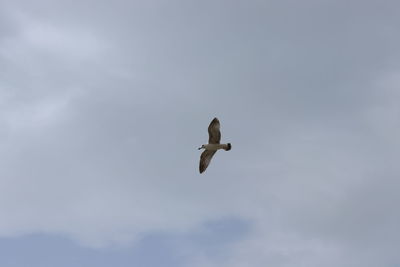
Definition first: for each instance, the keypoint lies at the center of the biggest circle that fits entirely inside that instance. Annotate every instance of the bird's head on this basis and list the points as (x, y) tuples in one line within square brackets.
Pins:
[(202, 146)]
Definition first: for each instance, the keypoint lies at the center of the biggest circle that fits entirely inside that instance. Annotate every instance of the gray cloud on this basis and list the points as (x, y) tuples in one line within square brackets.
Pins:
[(102, 107)]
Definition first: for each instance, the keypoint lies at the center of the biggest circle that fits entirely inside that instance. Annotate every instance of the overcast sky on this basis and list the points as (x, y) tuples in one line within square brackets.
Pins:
[(104, 103)]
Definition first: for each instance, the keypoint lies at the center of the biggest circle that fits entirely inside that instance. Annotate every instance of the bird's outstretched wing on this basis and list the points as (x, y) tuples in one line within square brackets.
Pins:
[(213, 132), (205, 159)]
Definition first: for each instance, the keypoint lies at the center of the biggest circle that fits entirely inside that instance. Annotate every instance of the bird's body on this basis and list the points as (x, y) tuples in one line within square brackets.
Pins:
[(216, 146), (213, 145)]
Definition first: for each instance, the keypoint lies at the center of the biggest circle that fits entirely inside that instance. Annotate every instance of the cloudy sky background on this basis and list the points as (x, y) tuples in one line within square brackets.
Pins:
[(103, 104)]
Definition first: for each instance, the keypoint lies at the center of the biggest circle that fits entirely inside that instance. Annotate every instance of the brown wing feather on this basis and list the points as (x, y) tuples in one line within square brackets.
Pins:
[(214, 132), (205, 159)]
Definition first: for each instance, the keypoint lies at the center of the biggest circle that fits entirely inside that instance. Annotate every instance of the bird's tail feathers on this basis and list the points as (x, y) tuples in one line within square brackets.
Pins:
[(228, 147)]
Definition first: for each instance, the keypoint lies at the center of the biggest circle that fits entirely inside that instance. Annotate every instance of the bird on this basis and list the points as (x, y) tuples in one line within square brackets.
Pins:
[(213, 145)]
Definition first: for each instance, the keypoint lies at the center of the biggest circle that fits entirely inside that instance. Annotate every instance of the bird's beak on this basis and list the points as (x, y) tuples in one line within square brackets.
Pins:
[(199, 148)]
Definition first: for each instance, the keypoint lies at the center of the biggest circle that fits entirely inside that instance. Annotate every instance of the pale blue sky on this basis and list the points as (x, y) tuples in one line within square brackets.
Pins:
[(103, 105), (156, 249)]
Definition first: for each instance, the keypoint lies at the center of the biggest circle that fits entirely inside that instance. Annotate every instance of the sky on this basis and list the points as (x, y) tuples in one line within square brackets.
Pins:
[(103, 105)]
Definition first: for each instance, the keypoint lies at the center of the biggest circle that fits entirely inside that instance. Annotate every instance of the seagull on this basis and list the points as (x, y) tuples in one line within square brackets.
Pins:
[(212, 146)]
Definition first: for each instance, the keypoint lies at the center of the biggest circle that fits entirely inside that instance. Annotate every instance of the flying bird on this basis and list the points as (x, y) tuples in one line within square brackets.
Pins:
[(212, 146)]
